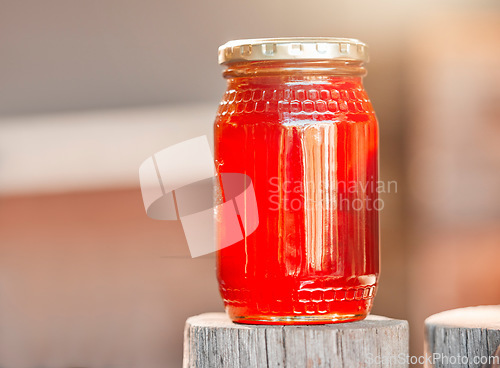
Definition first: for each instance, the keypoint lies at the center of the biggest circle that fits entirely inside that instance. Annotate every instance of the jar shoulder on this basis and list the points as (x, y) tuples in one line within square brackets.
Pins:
[(322, 102)]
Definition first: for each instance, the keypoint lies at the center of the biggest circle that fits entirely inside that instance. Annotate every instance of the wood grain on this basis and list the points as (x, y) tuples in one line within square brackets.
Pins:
[(466, 337), (211, 340)]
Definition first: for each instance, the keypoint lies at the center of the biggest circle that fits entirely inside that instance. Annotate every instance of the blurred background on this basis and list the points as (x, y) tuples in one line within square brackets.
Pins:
[(89, 89)]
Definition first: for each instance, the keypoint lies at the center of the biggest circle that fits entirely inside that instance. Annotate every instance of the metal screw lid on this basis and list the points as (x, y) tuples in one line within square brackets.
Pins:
[(293, 48)]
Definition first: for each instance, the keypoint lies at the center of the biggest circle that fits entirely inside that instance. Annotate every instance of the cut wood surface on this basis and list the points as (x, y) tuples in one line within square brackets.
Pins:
[(465, 337), (211, 340)]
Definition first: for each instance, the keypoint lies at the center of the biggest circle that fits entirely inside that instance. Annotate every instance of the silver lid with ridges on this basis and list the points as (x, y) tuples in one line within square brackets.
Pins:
[(293, 48)]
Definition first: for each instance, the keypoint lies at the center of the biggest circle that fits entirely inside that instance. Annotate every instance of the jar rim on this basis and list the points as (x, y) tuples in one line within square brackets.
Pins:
[(293, 48)]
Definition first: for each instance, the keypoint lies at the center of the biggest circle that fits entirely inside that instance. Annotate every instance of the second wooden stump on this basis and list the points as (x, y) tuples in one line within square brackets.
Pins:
[(465, 337)]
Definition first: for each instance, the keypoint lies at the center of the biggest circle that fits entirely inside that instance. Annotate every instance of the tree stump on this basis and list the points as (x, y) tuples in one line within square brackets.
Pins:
[(466, 337), (211, 340)]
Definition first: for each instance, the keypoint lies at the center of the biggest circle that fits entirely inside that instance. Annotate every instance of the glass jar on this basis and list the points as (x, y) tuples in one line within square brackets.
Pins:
[(297, 121)]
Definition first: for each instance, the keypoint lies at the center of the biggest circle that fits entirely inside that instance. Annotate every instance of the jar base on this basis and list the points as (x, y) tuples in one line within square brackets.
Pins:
[(297, 320), (320, 303)]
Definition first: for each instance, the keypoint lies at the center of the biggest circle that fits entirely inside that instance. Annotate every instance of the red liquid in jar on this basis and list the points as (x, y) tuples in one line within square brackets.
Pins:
[(310, 148)]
